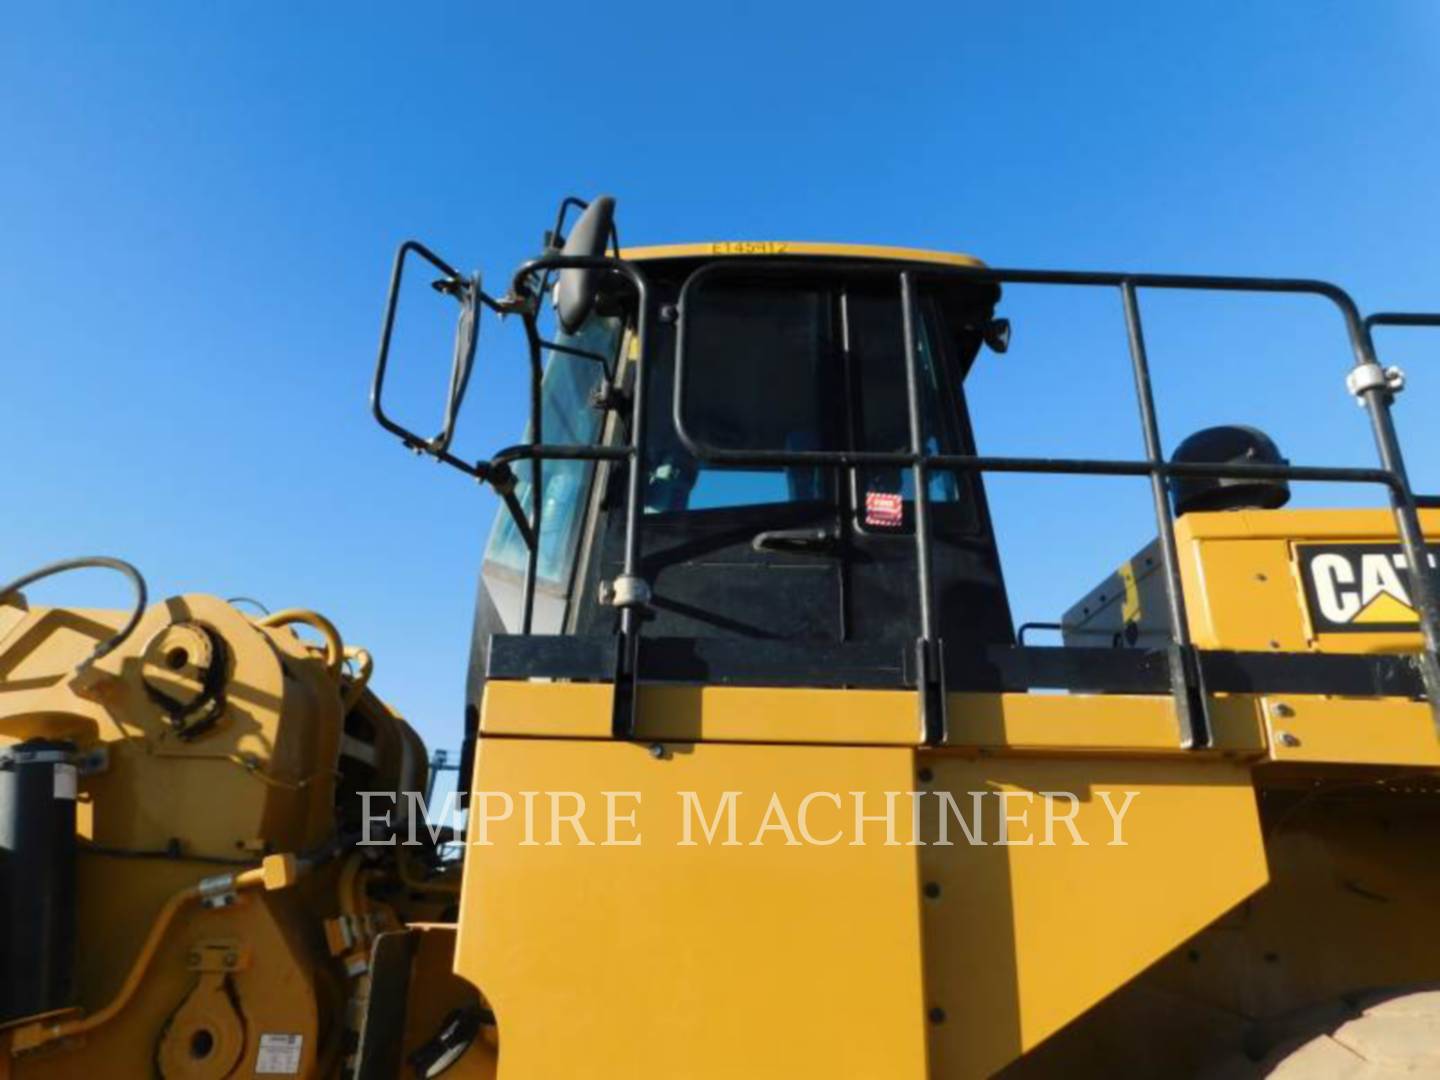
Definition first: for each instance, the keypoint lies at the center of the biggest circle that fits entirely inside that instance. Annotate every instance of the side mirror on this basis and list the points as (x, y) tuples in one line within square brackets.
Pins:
[(575, 289), (996, 334), (467, 332), (466, 292)]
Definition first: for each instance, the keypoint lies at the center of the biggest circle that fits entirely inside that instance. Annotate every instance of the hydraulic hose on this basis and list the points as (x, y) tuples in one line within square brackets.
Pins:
[(334, 646), (98, 562), (364, 668)]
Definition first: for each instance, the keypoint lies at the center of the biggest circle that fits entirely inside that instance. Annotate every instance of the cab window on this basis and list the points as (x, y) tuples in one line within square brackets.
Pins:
[(567, 417), (789, 364)]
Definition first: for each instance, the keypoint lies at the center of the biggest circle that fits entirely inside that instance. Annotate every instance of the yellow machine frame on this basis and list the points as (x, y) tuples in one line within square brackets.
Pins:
[(753, 881)]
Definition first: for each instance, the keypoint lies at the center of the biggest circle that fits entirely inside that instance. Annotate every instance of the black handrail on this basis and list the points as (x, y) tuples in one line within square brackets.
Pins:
[(631, 593), (1187, 680)]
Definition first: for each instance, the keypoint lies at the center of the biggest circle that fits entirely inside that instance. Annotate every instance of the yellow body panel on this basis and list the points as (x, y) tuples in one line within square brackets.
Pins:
[(1352, 891), (796, 248), (1359, 731), (705, 961), (1242, 583), (1046, 957), (1020, 939), (1065, 723), (1095, 723), (712, 713), (1291, 727), (791, 943)]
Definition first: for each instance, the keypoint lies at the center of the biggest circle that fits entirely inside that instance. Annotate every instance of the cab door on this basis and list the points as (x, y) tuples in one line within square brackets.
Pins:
[(751, 553), (783, 358)]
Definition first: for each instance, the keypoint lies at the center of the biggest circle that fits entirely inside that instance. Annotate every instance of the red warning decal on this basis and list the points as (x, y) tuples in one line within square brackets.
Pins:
[(884, 508)]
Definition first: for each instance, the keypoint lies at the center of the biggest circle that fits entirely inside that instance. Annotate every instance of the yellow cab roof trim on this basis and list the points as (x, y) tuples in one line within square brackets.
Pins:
[(787, 248)]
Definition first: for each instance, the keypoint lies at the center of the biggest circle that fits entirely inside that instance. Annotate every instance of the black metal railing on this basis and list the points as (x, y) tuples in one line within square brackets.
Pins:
[(1186, 668)]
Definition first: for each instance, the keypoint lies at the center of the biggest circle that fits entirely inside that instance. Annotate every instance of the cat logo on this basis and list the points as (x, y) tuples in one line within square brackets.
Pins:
[(1358, 588)]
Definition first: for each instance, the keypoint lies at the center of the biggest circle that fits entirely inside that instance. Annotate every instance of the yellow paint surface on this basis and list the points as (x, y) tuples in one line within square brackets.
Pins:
[(786, 942), (1243, 586), (663, 960), (795, 248), (1022, 938)]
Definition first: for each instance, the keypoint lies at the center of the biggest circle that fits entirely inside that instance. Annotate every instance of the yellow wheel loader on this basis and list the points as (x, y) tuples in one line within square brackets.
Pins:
[(758, 777)]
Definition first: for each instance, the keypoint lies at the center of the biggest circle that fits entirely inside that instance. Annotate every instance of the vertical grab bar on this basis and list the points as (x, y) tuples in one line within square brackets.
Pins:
[(1190, 707), (929, 650)]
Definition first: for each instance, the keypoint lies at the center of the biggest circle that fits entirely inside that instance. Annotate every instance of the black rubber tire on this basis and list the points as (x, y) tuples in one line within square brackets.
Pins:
[(1376, 1036)]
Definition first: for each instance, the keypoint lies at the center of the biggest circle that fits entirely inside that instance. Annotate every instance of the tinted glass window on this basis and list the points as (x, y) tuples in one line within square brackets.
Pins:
[(789, 365), (879, 401), (762, 375), (566, 417)]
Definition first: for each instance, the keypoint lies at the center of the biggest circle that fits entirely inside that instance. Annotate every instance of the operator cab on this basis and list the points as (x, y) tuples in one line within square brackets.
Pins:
[(756, 461), (790, 348)]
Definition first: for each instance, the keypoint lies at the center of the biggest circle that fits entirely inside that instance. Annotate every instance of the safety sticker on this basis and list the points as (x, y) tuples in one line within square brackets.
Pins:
[(1358, 588), (279, 1055), (884, 508)]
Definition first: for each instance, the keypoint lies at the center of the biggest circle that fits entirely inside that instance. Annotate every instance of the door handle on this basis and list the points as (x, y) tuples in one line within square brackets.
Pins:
[(813, 541)]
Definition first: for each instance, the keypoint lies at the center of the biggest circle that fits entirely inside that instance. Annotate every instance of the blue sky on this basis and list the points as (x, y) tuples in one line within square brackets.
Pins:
[(200, 206)]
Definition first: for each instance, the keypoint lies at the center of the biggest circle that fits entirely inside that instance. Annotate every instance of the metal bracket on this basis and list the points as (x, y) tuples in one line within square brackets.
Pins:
[(515, 303), (629, 592), (608, 397), (218, 891), (502, 478), (626, 686), (930, 680), (220, 955), (1366, 377), (1192, 710)]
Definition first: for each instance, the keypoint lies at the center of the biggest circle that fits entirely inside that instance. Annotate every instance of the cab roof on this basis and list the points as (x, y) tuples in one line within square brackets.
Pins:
[(789, 248)]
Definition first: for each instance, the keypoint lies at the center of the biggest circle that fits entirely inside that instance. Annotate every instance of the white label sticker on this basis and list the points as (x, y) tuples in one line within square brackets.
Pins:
[(279, 1055), (65, 781)]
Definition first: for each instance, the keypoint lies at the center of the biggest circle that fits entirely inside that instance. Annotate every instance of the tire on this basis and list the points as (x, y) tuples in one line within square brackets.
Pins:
[(1375, 1036)]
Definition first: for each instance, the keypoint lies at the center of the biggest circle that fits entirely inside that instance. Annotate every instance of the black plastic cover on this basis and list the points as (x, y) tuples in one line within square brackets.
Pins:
[(576, 290), (1225, 445)]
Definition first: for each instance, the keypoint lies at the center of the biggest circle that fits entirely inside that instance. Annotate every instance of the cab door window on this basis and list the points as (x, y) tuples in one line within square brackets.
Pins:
[(786, 364), (761, 375)]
